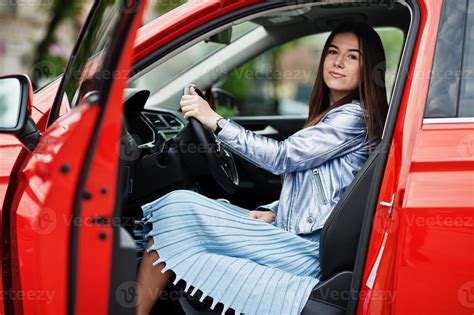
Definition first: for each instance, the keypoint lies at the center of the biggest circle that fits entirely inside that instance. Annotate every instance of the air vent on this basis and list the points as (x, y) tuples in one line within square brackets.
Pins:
[(156, 120), (164, 121), (172, 120)]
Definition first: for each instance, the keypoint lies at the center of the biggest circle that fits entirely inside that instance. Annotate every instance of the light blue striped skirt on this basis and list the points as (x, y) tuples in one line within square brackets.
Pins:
[(246, 264)]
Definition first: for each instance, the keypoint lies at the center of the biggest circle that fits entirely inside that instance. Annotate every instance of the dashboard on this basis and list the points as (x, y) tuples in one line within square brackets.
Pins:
[(151, 160), (149, 128)]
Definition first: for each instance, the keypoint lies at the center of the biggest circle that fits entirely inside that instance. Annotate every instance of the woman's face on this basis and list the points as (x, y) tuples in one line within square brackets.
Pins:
[(342, 65)]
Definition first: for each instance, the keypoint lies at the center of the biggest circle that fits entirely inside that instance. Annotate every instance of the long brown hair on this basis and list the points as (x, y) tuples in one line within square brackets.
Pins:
[(371, 91)]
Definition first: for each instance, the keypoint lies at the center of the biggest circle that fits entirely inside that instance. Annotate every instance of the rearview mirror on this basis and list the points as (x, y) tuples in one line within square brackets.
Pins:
[(15, 104)]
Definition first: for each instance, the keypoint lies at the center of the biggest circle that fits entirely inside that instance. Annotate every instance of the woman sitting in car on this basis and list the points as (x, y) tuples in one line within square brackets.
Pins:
[(266, 261)]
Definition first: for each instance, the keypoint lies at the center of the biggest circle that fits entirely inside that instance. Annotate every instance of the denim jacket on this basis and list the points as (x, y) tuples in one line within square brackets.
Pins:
[(318, 163)]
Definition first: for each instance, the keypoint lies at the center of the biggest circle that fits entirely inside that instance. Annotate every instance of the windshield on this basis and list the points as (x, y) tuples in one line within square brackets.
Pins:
[(156, 77)]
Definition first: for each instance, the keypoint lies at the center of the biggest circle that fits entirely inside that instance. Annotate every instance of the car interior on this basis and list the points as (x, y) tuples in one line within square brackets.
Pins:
[(161, 151)]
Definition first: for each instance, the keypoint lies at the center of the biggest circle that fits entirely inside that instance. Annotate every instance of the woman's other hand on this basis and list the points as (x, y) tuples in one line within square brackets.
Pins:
[(194, 106), (266, 216)]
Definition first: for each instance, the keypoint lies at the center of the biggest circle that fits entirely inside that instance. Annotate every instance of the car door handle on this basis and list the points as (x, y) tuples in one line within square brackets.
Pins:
[(389, 205), (267, 131)]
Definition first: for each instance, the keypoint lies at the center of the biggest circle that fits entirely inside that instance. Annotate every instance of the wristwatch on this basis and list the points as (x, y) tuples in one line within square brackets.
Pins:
[(220, 124)]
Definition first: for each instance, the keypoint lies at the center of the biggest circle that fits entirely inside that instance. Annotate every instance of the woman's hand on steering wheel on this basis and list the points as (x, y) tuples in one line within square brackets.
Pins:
[(195, 106), (266, 216), (201, 117)]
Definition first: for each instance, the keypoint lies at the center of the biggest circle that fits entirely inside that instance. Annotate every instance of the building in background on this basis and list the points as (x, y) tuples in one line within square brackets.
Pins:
[(22, 26)]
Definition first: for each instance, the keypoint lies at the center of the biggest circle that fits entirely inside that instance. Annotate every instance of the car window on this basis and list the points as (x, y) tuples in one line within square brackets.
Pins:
[(451, 91), (279, 81), (154, 80), (85, 70), (466, 100)]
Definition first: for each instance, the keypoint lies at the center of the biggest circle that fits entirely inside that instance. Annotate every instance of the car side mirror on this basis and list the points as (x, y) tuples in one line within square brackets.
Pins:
[(16, 95)]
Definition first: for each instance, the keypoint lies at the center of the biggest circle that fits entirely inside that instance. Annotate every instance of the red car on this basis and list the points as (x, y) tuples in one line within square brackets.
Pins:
[(79, 156)]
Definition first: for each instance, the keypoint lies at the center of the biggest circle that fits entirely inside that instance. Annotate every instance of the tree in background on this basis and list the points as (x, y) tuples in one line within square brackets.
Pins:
[(162, 7), (48, 61)]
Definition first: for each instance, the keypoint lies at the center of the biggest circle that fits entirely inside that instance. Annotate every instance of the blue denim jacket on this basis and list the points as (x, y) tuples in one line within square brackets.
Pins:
[(318, 163)]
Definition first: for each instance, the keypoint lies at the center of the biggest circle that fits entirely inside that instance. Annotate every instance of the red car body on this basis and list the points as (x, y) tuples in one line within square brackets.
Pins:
[(427, 262)]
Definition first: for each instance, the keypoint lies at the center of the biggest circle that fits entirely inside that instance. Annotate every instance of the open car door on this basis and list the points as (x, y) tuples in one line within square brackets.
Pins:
[(60, 233)]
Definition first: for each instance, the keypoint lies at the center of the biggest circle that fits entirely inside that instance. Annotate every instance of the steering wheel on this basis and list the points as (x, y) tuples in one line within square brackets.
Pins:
[(220, 161)]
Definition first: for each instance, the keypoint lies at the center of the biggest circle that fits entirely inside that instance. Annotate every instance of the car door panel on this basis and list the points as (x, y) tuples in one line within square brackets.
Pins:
[(381, 283), (98, 231), (43, 201), (59, 243), (13, 155)]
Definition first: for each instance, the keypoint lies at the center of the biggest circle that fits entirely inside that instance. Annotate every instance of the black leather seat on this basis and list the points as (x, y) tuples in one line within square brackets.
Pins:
[(339, 243)]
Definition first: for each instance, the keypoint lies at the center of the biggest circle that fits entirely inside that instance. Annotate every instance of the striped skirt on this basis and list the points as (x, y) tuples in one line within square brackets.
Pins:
[(246, 264)]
